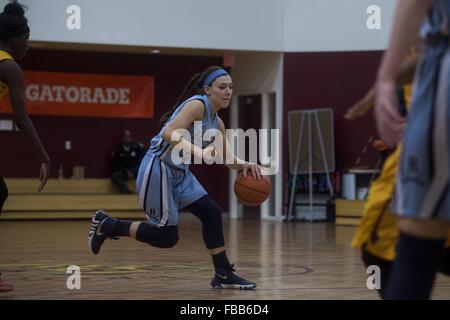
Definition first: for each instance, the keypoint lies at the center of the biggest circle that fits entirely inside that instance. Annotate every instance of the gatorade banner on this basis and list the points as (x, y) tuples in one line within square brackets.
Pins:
[(86, 95)]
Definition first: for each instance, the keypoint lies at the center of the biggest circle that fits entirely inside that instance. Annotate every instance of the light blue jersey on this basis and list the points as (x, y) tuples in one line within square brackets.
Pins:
[(436, 22), (163, 149), (422, 189), (165, 187)]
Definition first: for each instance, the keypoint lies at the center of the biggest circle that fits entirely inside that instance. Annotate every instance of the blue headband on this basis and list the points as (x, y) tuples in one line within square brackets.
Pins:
[(213, 76)]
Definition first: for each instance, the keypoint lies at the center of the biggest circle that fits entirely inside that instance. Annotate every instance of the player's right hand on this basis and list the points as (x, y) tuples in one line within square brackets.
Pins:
[(390, 124)]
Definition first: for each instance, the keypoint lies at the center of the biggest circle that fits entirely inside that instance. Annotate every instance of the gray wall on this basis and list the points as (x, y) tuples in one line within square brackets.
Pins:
[(335, 25), (257, 25)]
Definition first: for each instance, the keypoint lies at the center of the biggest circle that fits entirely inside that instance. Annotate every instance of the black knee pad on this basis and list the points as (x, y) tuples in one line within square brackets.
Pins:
[(165, 237), (165, 244), (168, 240), (213, 217), (213, 228)]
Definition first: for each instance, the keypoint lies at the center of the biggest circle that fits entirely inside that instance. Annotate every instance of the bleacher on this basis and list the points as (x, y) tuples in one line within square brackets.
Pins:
[(68, 199), (349, 212), (80, 198)]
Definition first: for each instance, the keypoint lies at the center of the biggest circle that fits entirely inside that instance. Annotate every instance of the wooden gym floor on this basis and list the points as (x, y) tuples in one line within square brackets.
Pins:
[(288, 261)]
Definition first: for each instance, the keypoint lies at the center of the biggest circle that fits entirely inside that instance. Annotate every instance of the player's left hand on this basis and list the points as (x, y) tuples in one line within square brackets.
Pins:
[(253, 168), (359, 109)]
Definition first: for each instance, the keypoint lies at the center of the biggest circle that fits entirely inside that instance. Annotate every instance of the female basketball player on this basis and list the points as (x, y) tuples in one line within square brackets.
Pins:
[(14, 34), (422, 195), (377, 233), (165, 185)]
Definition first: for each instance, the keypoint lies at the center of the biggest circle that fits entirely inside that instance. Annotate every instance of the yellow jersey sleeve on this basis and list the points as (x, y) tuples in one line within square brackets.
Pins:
[(3, 87)]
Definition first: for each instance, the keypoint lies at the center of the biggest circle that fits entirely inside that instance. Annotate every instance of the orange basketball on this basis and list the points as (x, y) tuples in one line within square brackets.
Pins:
[(379, 145), (252, 192)]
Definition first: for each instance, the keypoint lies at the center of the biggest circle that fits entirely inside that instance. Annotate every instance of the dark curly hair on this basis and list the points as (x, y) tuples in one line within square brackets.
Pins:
[(13, 21), (193, 87)]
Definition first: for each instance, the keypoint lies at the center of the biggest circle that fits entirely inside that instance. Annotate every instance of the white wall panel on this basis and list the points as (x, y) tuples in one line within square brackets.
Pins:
[(255, 25)]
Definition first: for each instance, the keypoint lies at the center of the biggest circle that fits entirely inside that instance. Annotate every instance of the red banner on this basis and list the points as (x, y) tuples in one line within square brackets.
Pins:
[(86, 95)]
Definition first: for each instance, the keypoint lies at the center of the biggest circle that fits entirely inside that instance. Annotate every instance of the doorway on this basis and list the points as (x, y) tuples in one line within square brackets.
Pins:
[(250, 118)]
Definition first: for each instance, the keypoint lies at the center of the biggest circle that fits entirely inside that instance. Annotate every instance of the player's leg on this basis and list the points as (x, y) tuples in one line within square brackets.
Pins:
[(385, 269), (104, 226), (3, 193), (419, 257), (155, 195), (4, 287), (212, 229)]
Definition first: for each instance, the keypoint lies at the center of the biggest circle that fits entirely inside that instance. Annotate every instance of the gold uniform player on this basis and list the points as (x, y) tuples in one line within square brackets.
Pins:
[(14, 34)]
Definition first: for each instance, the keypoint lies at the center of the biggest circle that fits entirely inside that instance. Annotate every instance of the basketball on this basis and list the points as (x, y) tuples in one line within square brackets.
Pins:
[(250, 191), (379, 144)]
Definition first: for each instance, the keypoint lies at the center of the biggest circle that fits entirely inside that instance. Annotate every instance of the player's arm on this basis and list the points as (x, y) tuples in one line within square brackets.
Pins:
[(14, 79), (230, 159), (406, 75), (192, 111), (409, 14), (408, 68)]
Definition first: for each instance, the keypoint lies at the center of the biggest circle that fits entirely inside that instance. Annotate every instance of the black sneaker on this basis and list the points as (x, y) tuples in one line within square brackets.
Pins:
[(102, 226), (227, 279)]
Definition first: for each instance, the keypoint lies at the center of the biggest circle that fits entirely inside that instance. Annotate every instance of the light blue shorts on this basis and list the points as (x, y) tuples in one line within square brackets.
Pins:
[(422, 188), (164, 190)]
